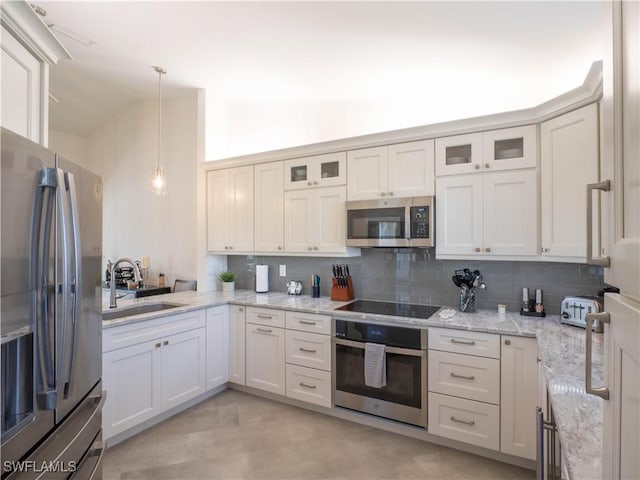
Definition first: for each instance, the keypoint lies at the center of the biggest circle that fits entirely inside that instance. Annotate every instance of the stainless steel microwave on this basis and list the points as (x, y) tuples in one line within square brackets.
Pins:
[(392, 222)]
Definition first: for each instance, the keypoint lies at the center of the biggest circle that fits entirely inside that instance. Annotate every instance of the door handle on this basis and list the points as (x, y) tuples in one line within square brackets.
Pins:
[(602, 392), (591, 260)]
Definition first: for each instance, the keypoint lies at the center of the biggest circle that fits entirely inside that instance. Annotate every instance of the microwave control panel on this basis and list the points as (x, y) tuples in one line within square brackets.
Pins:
[(419, 222)]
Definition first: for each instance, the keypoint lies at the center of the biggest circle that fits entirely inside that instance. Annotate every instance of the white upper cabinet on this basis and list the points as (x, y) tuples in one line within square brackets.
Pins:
[(401, 170), (316, 171), (504, 149), (315, 220), (487, 215), (28, 48), (568, 162), (230, 210), (269, 207)]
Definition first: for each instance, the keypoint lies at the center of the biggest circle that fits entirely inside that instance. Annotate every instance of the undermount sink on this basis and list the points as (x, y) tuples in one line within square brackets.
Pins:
[(139, 309)]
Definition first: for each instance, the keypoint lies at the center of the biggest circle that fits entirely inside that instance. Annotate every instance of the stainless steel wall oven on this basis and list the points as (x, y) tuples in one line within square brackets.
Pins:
[(404, 398)]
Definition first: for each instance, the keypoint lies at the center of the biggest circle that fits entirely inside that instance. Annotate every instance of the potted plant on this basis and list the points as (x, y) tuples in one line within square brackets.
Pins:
[(228, 281)]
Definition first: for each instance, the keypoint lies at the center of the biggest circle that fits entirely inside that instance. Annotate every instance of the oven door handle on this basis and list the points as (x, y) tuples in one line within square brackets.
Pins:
[(394, 350)]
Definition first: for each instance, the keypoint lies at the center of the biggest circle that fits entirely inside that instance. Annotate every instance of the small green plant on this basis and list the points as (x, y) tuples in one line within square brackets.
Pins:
[(227, 277)]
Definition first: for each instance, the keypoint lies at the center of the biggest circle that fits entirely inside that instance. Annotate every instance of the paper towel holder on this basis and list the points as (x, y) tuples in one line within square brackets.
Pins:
[(262, 278)]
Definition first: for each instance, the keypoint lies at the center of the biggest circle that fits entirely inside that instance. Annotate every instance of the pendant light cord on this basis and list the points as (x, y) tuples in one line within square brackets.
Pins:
[(160, 71)]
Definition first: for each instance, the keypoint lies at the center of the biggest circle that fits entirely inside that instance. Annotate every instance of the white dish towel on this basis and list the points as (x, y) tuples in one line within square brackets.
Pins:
[(375, 365)]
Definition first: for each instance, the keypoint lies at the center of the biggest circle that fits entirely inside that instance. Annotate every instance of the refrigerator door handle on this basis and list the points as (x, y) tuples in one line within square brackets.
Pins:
[(75, 283)]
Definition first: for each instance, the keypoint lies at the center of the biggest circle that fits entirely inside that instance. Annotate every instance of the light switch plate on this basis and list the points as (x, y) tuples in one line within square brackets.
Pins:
[(283, 270)]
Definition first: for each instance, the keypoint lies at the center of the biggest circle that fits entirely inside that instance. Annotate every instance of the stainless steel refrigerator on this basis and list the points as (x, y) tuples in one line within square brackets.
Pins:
[(50, 309)]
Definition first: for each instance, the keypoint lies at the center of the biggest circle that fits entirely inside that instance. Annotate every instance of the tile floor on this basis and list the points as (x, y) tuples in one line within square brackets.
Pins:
[(235, 435)]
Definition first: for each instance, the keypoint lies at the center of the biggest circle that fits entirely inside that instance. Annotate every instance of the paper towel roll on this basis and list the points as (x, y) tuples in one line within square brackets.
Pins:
[(262, 278)]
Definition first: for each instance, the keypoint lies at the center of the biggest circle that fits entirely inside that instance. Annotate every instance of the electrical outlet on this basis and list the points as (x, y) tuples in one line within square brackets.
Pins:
[(283, 270)]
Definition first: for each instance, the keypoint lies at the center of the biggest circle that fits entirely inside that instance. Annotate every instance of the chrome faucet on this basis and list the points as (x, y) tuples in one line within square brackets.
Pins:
[(112, 285)]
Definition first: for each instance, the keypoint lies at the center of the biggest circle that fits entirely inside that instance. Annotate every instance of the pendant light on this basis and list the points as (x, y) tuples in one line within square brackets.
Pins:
[(159, 181)]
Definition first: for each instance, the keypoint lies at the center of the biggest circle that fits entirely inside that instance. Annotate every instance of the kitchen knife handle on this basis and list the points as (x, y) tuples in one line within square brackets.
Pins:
[(602, 392), (591, 260)]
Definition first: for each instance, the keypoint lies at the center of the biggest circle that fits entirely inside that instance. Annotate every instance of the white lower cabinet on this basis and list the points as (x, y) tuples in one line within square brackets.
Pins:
[(309, 385), (465, 420), (266, 358), (150, 367), (519, 396), (237, 347), (217, 346)]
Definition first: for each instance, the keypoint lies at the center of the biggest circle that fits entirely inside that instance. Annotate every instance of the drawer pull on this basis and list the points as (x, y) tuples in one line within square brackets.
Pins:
[(266, 317), (466, 422), (264, 330), (306, 385), (306, 322), (463, 342), (307, 350), (470, 377)]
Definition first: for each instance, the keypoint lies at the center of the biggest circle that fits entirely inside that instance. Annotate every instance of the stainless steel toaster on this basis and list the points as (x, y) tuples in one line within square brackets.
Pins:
[(574, 310)]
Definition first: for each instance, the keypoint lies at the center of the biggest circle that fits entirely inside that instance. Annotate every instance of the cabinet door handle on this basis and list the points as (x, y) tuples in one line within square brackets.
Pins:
[(477, 249), (264, 330), (476, 166), (158, 345), (309, 183), (487, 249), (309, 248), (465, 377), (266, 317), (544, 250), (466, 422), (463, 342), (602, 392), (507, 342), (591, 260), (279, 248), (382, 194), (226, 248), (315, 248), (487, 165), (306, 385), (391, 194), (165, 343), (306, 322), (315, 182), (241, 309), (306, 350)]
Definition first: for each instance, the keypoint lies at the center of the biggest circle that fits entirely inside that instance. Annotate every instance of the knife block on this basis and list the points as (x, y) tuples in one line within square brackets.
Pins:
[(341, 294)]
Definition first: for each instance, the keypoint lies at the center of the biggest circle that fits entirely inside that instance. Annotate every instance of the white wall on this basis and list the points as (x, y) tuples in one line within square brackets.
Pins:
[(70, 146), (136, 222)]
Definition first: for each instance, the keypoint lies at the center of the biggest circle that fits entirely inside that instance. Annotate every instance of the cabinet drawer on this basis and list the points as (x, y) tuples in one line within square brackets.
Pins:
[(309, 385), (265, 316), (462, 341), (465, 376), (308, 322), (309, 349), (467, 421), (143, 331)]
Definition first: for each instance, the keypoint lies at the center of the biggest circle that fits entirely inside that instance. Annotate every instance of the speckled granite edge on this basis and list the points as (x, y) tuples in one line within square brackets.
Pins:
[(561, 349)]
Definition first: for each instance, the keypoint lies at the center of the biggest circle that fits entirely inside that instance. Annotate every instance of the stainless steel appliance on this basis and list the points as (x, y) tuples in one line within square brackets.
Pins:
[(574, 311), (51, 315), (392, 222), (404, 398)]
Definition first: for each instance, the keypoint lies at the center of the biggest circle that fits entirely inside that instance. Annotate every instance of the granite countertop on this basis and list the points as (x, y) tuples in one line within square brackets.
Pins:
[(561, 349)]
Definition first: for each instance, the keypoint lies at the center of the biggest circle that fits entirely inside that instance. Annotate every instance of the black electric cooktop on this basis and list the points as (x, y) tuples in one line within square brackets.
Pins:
[(388, 308)]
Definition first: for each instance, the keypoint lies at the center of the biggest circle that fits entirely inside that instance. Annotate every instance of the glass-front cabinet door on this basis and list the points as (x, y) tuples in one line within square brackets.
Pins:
[(316, 171), (504, 149)]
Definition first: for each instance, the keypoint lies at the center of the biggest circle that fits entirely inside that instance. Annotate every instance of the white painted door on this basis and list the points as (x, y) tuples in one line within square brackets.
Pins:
[(217, 346), (330, 219), (569, 160), (266, 358), (241, 212), (510, 148), (237, 340), (218, 210), (622, 409), (299, 221), (519, 377), (411, 169), (458, 214), (510, 213), (367, 173), (182, 366), (458, 154), (269, 207), (22, 89), (132, 381)]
